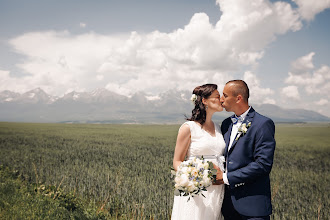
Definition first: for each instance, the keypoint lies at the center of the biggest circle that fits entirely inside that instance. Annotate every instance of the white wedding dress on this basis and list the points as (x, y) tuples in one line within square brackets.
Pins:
[(199, 207)]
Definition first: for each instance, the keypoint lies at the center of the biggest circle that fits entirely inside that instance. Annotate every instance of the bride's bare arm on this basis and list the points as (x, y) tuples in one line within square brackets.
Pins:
[(182, 144)]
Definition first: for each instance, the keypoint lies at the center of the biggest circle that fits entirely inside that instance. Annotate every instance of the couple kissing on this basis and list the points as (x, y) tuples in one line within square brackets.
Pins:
[(241, 189)]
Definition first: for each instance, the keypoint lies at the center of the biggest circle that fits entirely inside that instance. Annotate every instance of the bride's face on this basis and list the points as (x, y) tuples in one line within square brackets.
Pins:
[(213, 101)]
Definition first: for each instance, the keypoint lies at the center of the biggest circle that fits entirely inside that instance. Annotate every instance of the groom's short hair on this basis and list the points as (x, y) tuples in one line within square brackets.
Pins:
[(240, 88)]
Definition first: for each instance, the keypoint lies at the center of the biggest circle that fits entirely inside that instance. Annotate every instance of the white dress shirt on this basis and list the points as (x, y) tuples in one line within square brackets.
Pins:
[(233, 134)]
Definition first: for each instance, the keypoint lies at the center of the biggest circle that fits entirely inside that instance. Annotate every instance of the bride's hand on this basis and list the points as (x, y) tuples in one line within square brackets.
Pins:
[(219, 178)]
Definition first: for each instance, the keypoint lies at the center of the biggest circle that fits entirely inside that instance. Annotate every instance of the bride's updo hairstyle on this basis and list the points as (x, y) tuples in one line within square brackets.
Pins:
[(199, 112)]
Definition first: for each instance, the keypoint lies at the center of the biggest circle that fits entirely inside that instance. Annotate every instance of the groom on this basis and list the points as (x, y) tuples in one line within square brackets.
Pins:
[(249, 153)]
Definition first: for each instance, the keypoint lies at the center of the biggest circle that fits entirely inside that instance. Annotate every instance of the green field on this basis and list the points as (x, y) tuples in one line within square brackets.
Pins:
[(124, 170)]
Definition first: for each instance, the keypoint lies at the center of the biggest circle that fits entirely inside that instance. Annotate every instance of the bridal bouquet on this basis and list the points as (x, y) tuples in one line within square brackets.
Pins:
[(193, 176)]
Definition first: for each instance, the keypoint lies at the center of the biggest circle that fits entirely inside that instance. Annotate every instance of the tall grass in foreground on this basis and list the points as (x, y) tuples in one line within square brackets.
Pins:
[(125, 169), (22, 200)]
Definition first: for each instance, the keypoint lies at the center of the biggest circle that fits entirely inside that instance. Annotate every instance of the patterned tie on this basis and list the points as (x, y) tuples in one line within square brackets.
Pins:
[(236, 119)]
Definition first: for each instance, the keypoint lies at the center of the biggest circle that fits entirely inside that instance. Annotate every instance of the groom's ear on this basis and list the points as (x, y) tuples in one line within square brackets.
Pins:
[(239, 98)]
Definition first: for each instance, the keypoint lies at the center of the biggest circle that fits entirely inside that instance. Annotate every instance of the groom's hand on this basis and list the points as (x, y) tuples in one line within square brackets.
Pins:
[(219, 178)]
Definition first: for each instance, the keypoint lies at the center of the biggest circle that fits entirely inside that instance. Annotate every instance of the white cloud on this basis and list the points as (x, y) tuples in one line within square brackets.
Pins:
[(8, 82), (119, 89), (306, 77), (309, 8), (258, 95), (303, 64), (258, 21), (57, 61), (82, 24), (322, 102), (291, 92), (5, 79), (195, 54), (268, 100), (99, 77), (313, 83), (153, 98)]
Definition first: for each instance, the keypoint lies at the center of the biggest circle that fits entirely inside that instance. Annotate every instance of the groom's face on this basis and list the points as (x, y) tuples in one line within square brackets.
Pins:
[(228, 100)]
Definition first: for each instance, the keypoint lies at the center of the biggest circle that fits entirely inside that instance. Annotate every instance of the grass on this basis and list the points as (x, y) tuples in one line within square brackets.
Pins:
[(124, 170), (22, 200)]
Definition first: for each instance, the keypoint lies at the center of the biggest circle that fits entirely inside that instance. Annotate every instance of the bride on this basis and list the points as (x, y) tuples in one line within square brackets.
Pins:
[(196, 137)]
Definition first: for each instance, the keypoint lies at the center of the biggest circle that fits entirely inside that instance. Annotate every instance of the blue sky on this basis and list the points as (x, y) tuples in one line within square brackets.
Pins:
[(280, 48)]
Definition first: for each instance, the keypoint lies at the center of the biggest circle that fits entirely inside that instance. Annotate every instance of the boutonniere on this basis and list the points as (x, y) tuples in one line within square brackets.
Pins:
[(243, 129)]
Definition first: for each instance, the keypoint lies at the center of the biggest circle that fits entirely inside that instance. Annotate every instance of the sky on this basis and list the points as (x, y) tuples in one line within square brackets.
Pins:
[(280, 48)]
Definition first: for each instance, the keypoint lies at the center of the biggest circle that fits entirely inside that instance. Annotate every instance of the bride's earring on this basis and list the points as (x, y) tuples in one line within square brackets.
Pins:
[(206, 107)]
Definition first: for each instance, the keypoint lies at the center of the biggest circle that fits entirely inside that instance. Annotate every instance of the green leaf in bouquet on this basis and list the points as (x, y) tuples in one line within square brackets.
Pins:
[(214, 172), (177, 192), (173, 173), (210, 165)]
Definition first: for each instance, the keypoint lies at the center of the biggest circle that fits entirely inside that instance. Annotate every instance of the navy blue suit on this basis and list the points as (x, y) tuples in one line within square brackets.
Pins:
[(249, 162)]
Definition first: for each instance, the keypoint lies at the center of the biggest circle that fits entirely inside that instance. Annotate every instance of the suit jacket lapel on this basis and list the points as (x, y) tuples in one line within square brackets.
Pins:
[(248, 118), (234, 143), (227, 138)]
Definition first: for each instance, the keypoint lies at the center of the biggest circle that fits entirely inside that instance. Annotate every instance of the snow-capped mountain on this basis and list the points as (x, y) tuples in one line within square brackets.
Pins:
[(33, 96), (8, 96), (104, 106), (98, 95), (73, 96)]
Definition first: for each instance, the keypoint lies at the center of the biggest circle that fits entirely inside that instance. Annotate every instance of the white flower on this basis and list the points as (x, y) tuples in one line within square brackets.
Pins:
[(194, 172), (207, 181), (205, 173), (243, 129), (193, 98), (200, 166), (193, 177), (191, 187), (185, 169), (183, 180)]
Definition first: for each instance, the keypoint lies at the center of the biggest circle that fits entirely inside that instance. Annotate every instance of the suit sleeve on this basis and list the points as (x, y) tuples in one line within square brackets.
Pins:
[(263, 156)]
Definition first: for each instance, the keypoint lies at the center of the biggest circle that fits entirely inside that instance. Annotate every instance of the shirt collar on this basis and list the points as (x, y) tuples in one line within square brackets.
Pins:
[(244, 114)]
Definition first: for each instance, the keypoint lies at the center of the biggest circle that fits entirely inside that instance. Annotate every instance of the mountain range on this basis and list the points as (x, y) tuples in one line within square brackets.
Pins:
[(104, 106)]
